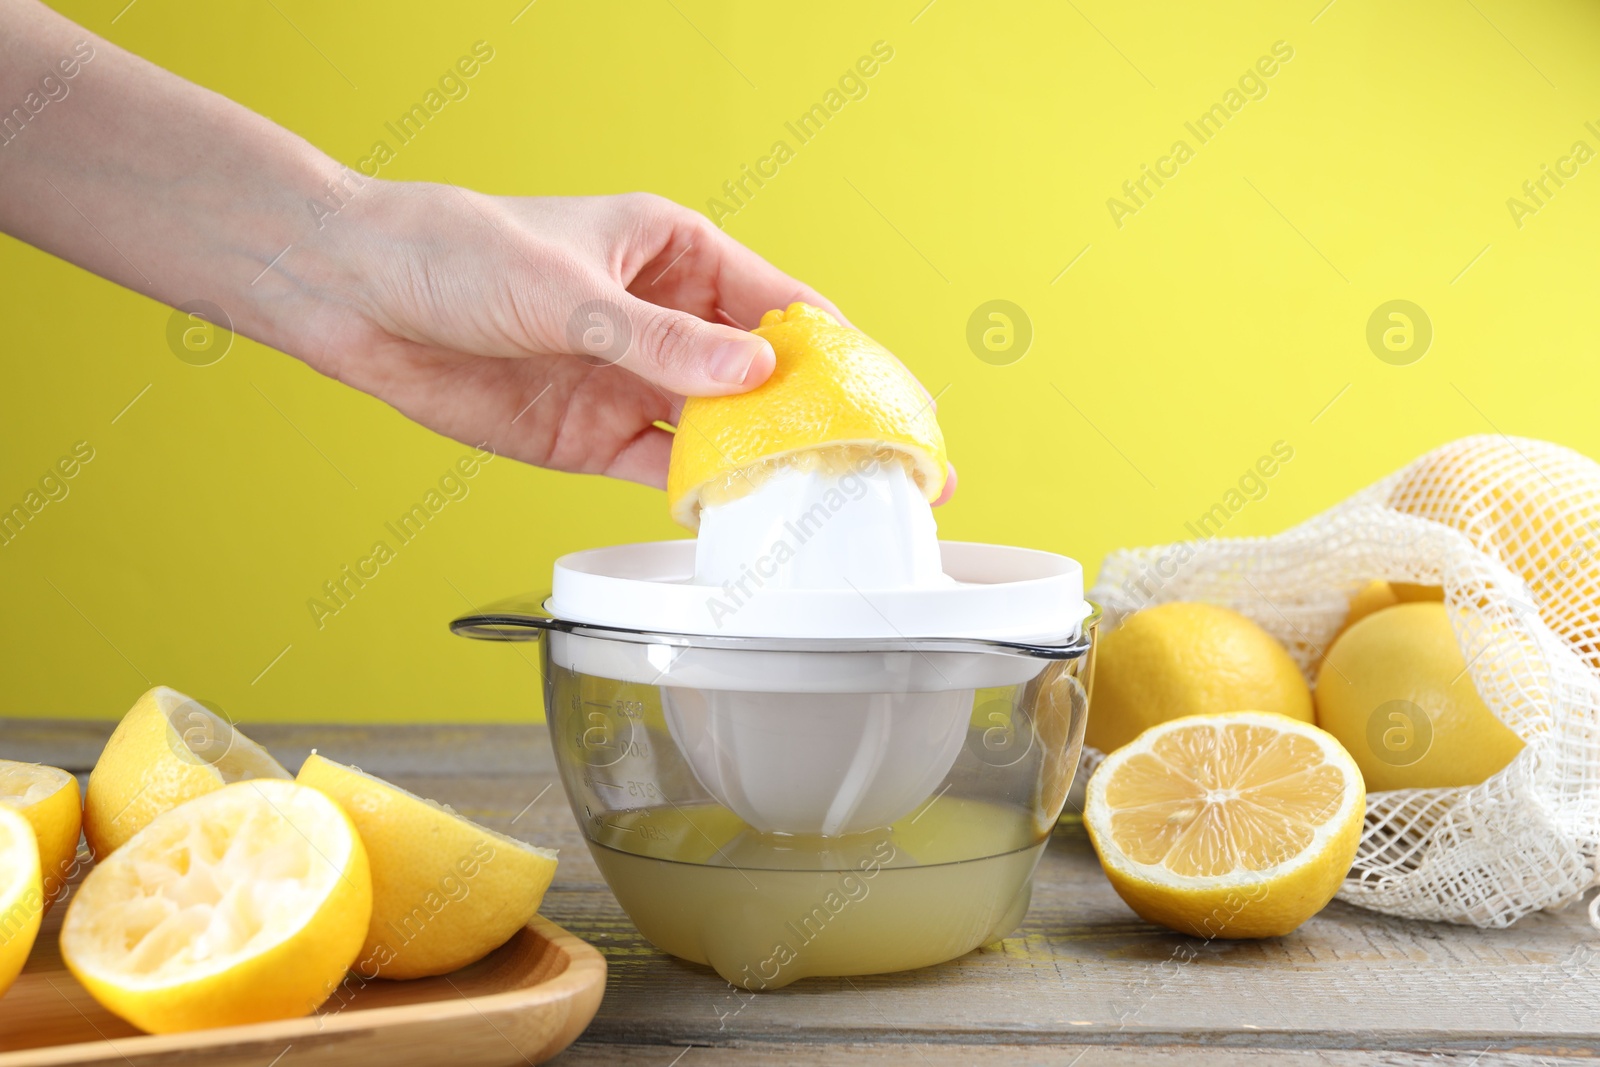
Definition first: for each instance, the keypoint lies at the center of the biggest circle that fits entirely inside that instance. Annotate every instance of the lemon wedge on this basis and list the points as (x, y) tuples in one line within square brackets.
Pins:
[(445, 891), (1241, 824), (168, 748), (21, 894), (49, 799), (244, 905), (835, 396)]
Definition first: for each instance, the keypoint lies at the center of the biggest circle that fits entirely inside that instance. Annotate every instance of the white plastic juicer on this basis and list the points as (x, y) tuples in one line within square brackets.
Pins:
[(786, 781)]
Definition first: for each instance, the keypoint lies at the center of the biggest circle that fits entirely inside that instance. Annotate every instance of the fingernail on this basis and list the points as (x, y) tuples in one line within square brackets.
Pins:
[(730, 363)]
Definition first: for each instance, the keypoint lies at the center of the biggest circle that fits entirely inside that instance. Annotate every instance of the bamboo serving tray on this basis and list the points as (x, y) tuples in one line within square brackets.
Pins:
[(523, 1003)]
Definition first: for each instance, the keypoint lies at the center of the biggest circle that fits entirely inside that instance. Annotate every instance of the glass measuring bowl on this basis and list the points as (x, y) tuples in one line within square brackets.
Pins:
[(707, 883)]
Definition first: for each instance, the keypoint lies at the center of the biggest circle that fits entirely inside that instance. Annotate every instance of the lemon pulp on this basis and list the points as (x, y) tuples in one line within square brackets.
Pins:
[(1203, 809)]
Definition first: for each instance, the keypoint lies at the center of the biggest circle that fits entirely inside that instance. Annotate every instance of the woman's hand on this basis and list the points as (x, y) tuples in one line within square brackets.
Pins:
[(557, 331)]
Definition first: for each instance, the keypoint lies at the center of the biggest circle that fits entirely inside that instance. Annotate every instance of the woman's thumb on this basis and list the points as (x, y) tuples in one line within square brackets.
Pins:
[(687, 355)]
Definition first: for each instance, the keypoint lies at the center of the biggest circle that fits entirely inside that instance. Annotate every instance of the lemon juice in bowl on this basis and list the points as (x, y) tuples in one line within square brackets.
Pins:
[(816, 740), (766, 907), (875, 906)]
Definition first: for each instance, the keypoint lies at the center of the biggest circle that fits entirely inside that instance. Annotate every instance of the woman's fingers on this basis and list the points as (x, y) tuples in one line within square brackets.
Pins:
[(748, 286), (691, 265), (644, 459)]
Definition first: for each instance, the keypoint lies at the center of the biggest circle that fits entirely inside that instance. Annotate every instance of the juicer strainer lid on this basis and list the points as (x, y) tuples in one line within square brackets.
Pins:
[(1001, 593)]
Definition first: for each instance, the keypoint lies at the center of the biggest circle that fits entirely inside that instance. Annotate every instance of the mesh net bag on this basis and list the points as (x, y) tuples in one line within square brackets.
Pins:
[(1510, 528)]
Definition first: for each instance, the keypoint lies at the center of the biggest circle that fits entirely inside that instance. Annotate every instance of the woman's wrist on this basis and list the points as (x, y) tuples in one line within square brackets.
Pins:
[(347, 263), (302, 249)]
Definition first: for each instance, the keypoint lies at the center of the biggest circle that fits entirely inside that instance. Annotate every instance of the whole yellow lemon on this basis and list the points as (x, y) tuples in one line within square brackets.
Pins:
[(1186, 658), (1394, 690), (1379, 594), (1374, 596)]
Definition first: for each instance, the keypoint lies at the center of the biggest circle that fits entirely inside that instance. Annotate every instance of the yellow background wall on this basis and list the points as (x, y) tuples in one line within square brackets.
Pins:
[(1225, 315)]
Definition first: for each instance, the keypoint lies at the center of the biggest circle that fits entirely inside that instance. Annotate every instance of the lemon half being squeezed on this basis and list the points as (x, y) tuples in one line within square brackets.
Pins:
[(834, 397)]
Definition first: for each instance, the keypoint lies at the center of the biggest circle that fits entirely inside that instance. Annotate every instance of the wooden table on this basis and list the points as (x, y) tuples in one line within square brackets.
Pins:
[(1083, 981)]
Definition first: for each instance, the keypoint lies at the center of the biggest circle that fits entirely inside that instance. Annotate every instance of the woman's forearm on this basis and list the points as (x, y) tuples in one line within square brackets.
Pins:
[(153, 182)]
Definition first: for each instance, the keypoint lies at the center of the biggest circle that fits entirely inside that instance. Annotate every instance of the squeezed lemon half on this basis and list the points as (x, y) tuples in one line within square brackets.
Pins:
[(21, 894), (243, 905), (48, 798), (445, 891), (168, 749), (1233, 825)]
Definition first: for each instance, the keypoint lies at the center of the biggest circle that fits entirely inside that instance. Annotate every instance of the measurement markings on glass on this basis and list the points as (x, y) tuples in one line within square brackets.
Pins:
[(628, 709), (634, 787), (600, 735), (645, 830)]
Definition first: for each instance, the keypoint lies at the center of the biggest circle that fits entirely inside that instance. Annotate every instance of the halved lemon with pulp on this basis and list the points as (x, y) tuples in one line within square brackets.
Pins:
[(21, 895), (49, 799), (835, 397), (1240, 824), (169, 748), (244, 905)]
